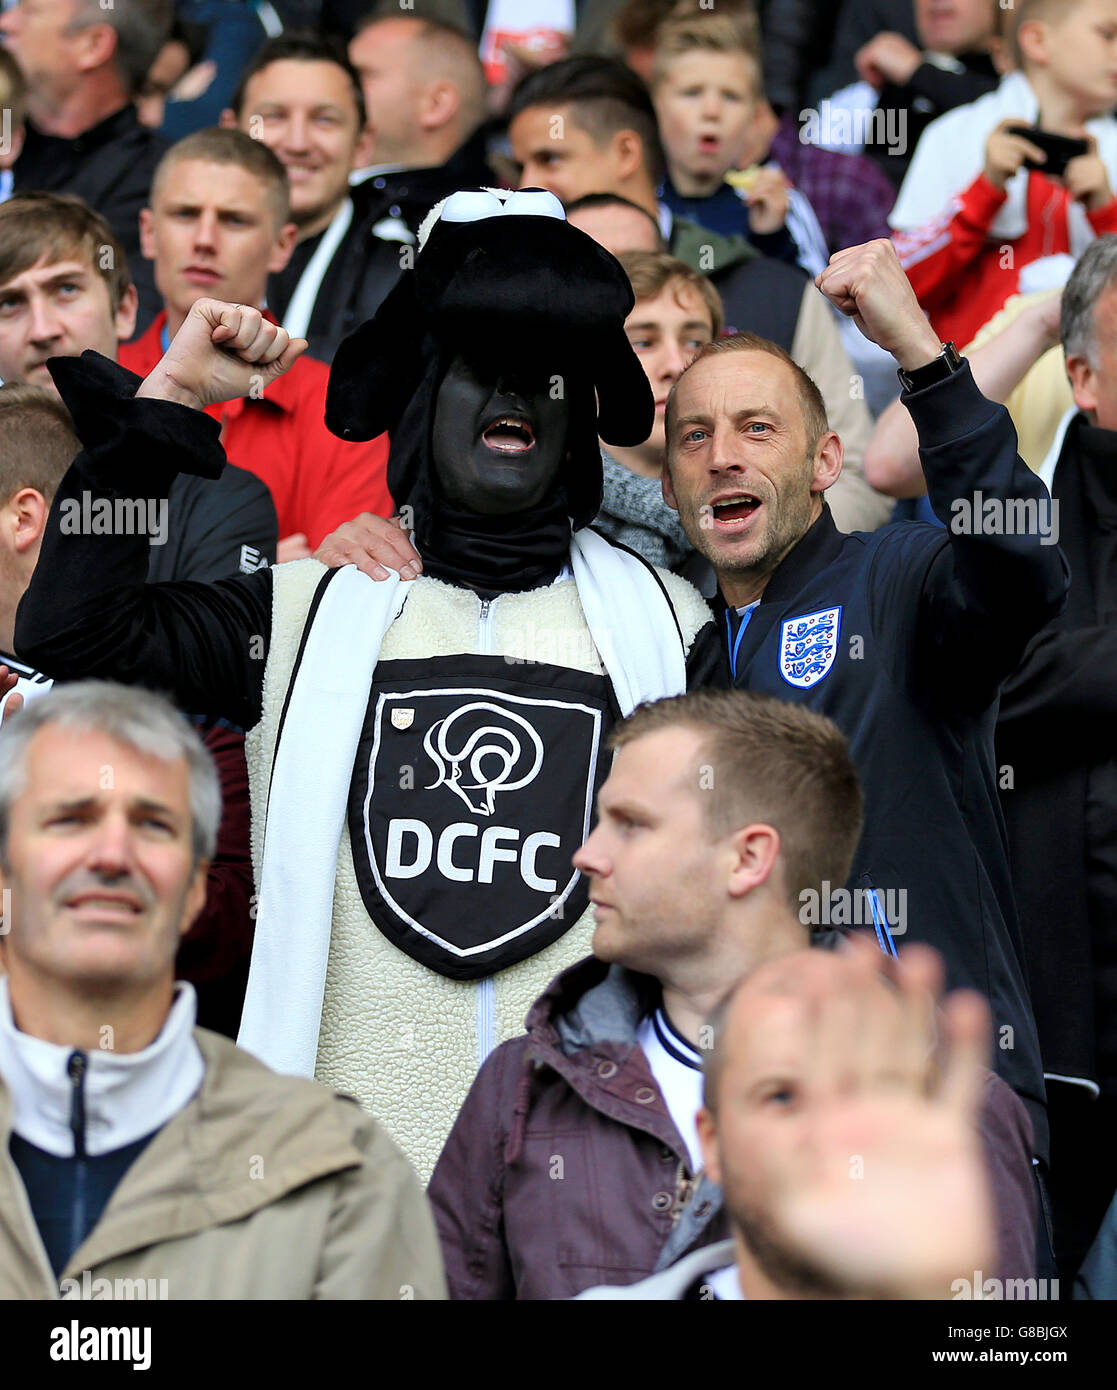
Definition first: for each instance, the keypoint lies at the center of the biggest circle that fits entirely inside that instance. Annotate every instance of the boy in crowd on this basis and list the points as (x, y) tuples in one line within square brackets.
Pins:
[(707, 89), (982, 203), (719, 133), (677, 312)]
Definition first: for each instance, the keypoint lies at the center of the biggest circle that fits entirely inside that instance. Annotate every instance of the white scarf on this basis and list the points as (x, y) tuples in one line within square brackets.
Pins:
[(634, 629), (127, 1094), (951, 154), (297, 318)]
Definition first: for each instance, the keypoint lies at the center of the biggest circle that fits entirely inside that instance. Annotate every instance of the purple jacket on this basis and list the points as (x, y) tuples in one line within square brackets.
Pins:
[(564, 1169)]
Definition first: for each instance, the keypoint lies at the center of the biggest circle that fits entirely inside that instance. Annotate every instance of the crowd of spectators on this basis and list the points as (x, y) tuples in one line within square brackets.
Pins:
[(716, 396)]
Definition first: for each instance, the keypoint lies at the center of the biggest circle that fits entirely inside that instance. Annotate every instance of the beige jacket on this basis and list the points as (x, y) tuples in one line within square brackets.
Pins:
[(263, 1186)]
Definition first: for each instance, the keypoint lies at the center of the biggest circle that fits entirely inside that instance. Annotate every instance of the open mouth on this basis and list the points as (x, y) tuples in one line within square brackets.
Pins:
[(708, 143), (735, 509), (509, 434)]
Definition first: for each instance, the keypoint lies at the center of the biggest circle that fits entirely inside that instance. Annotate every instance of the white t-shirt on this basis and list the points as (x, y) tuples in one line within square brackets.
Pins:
[(677, 1067)]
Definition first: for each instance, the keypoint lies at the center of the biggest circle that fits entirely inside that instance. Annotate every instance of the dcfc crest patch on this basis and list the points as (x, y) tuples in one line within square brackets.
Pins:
[(472, 790), (808, 646)]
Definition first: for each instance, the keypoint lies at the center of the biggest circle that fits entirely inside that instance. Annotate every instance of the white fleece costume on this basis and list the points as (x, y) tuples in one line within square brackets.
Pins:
[(403, 1039)]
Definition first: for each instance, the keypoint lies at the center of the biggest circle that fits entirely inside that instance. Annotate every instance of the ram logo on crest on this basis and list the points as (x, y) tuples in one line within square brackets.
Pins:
[(505, 745)]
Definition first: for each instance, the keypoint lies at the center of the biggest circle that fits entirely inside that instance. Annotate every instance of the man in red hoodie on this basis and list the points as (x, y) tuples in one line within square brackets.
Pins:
[(217, 226)]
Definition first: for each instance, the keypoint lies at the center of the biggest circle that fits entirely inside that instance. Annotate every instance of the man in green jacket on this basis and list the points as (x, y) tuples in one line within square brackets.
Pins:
[(139, 1156)]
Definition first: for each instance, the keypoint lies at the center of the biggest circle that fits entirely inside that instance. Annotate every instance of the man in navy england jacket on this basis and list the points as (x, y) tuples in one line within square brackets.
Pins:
[(902, 637)]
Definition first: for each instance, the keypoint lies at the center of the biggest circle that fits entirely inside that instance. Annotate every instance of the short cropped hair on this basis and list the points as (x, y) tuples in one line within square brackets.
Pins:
[(711, 33), (37, 440), (301, 46), (1046, 12), (588, 201), (447, 52), (774, 763), (219, 145), (142, 28), (59, 227), (13, 89), (140, 720), (1095, 273), (602, 95), (810, 397), (650, 272)]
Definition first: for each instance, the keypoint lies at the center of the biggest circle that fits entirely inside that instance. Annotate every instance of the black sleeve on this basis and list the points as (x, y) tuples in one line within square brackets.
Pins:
[(946, 89), (88, 611), (984, 594), (1066, 689)]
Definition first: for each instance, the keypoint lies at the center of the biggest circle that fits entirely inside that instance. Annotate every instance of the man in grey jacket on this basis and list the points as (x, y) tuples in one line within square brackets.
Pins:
[(134, 1147)]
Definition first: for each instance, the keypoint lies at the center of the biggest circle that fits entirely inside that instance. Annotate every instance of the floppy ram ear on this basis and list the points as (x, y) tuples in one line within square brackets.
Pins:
[(376, 369)]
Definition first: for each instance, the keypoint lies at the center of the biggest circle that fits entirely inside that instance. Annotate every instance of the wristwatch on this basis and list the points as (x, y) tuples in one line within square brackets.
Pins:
[(945, 364)]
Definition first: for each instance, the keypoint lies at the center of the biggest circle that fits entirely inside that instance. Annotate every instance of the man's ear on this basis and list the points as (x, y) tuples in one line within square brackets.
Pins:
[(147, 234), (1083, 383), (284, 245), (363, 151), (628, 153), (27, 513), (95, 46), (756, 856), (708, 1142), (228, 119), (124, 320), (441, 103), (827, 463)]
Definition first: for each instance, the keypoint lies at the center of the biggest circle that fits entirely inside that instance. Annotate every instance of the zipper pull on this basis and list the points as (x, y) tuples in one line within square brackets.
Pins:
[(76, 1066)]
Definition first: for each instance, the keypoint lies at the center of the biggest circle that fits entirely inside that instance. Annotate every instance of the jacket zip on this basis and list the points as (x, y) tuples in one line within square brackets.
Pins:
[(486, 991), (76, 1067)]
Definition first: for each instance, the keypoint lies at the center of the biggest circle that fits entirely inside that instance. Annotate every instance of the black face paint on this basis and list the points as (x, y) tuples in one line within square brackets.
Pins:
[(499, 439)]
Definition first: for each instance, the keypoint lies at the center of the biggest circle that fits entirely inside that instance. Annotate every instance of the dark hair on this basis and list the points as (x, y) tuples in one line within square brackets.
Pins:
[(604, 96), (773, 762), (59, 226), (37, 440), (220, 145), (301, 46)]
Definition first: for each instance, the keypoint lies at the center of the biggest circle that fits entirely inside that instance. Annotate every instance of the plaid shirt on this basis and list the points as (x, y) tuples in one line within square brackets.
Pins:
[(850, 196)]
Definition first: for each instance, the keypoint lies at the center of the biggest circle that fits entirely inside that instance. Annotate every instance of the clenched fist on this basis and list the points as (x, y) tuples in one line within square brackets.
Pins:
[(221, 351), (869, 285)]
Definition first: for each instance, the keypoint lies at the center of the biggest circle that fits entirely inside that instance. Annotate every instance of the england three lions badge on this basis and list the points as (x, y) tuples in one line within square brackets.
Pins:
[(808, 645)]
